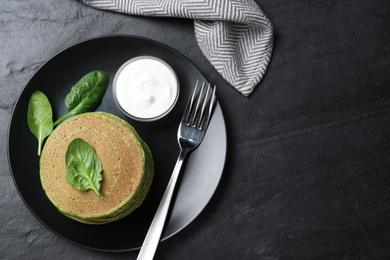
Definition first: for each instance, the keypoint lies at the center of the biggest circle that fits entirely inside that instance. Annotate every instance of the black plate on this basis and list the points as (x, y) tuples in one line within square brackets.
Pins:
[(201, 173)]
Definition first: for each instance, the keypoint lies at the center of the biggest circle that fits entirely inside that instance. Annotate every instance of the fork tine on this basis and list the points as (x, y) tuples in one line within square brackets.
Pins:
[(200, 106), (190, 103), (205, 100), (205, 121), (199, 100)]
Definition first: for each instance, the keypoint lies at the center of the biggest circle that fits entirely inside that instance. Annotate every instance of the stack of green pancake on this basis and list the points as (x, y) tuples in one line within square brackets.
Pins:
[(127, 168)]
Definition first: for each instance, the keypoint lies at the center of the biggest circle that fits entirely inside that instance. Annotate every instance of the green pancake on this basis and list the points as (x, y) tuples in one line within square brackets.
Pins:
[(127, 168)]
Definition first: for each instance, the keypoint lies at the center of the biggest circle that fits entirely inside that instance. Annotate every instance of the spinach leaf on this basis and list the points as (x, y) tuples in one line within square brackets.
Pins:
[(40, 117), (83, 166), (86, 95)]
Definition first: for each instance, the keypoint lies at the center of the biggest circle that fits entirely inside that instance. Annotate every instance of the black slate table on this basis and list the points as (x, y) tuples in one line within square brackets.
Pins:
[(307, 174)]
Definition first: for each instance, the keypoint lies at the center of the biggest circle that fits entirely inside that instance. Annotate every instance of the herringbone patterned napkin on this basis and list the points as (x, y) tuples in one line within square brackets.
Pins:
[(234, 35)]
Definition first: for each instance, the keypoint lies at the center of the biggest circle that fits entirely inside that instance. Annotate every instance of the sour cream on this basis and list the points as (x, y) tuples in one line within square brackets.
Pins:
[(145, 88)]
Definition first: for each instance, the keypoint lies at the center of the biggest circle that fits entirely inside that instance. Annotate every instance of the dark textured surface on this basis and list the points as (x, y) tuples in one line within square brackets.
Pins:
[(307, 173)]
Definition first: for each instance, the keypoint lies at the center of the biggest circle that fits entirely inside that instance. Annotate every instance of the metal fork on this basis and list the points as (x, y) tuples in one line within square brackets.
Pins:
[(190, 134)]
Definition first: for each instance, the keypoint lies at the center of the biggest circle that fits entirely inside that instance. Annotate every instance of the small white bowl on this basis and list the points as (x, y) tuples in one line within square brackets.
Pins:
[(145, 88)]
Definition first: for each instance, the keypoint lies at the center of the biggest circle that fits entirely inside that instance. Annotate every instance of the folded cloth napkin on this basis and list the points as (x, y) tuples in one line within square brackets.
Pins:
[(234, 35)]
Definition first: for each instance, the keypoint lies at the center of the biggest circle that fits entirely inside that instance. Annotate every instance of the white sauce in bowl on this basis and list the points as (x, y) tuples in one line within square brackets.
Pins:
[(145, 88)]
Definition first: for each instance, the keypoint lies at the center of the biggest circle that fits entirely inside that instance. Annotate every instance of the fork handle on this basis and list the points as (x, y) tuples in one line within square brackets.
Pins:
[(153, 236)]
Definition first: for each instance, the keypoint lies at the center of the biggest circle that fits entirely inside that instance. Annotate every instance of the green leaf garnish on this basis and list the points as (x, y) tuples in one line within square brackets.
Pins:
[(86, 95), (40, 117), (83, 166)]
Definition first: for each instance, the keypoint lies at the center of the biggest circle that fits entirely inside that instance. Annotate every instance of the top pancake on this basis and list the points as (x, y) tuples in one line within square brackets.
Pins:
[(120, 152)]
